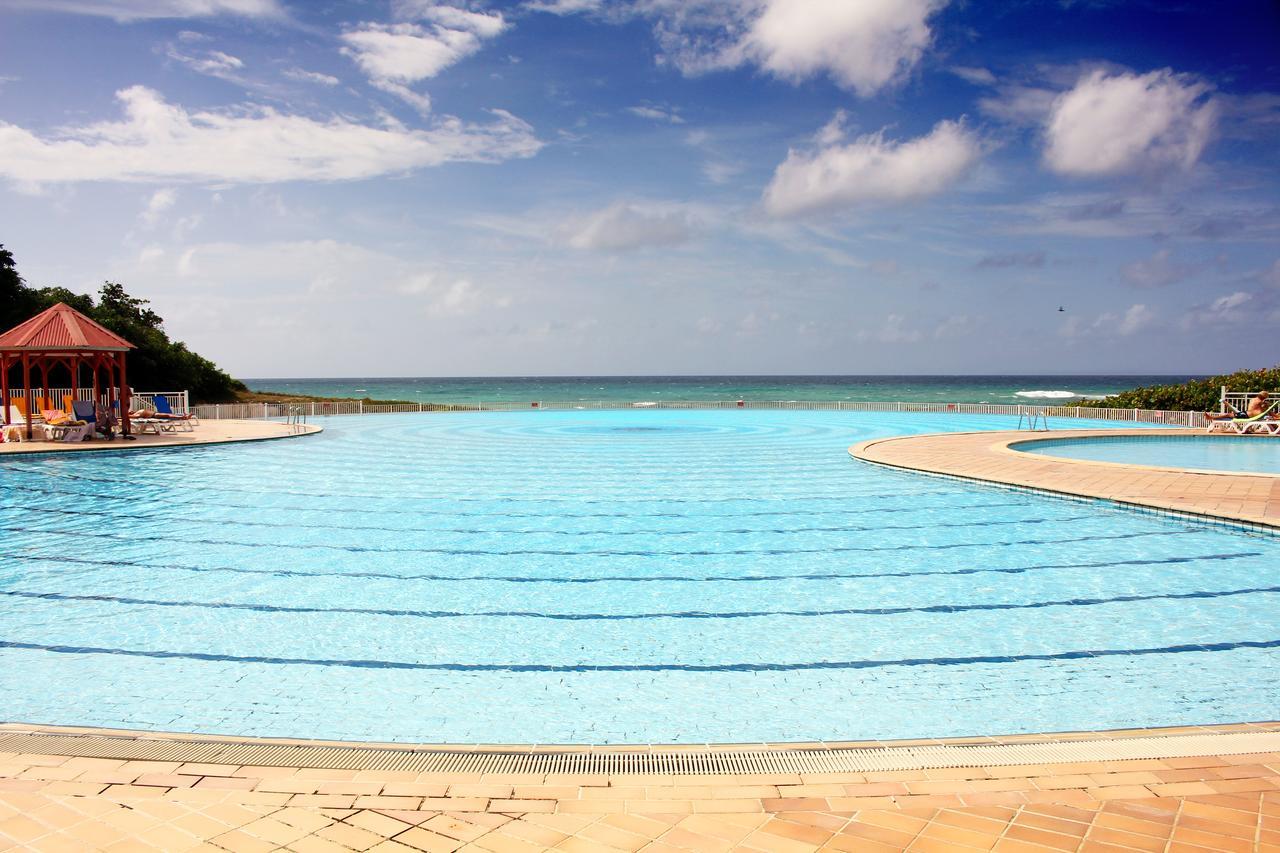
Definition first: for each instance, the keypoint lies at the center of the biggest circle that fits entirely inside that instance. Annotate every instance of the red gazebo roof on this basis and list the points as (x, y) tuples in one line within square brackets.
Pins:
[(62, 328)]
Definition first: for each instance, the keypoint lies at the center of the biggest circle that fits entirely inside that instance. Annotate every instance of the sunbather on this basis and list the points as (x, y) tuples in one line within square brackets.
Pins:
[(1256, 407)]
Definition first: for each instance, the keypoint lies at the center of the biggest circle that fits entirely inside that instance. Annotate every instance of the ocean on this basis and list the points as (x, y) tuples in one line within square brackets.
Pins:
[(946, 389)]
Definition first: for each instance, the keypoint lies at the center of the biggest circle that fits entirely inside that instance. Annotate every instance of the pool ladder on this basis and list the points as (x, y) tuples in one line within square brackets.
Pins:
[(1033, 416), (296, 417)]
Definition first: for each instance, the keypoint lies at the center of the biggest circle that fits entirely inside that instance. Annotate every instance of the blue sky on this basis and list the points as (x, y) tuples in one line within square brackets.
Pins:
[(412, 187)]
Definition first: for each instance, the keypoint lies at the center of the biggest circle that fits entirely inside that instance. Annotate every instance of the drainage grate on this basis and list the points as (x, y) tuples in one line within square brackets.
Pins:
[(710, 762)]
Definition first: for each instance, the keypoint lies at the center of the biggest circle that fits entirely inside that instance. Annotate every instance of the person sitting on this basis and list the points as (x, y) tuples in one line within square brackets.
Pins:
[(104, 421), (1257, 406)]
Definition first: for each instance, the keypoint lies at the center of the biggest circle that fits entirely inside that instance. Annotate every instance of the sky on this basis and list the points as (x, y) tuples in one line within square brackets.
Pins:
[(593, 187)]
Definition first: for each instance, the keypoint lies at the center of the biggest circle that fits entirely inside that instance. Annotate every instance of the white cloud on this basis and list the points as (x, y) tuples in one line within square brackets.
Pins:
[(456, 297), (214, 63), (395, 55), (863, 45), (892, 331), (159, 141), (872, 169), (1109, 324), (1158, 271), (1137, 318), (132, 10), (976, 76), (656, 113), (1231, 310), (623, 226), (1020, 104), (303, 76), (160, 201), (1114, 123)]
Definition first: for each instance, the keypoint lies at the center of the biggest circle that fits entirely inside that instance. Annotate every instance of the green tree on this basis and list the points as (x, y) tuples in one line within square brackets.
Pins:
[(158, 363)]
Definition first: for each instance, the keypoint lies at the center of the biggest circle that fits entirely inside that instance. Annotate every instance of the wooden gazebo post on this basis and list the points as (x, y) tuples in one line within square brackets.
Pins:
[(62, 335)]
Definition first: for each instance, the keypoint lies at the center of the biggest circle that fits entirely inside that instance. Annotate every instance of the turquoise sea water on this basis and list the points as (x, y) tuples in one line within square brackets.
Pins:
[(1250, 454), (612, 576), (944, 389)]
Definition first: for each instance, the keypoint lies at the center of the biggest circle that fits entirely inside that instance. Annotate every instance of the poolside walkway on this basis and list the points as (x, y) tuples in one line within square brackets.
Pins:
[(1200, 803), (1249, 498), (207, 432)]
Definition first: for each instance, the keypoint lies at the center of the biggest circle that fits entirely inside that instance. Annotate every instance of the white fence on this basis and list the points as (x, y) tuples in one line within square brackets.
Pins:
[(1239, 400), (281, 410), (179, 401)]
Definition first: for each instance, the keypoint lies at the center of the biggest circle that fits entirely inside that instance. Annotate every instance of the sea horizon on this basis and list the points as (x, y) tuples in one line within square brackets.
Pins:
[(952, 388)]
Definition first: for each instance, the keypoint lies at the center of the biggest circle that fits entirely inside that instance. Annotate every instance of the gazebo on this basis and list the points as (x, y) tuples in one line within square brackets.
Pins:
[(63, 337)]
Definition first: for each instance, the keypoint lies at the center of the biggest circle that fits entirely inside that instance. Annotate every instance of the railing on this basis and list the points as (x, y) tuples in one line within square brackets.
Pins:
[(355, 407), (179, 401), (1239, 400)]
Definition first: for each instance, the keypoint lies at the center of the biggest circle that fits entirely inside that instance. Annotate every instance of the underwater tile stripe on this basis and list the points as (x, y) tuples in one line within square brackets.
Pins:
[(643, 667), (549, 552), (687, 614), (816, 576), (203, 503), (80, 512)]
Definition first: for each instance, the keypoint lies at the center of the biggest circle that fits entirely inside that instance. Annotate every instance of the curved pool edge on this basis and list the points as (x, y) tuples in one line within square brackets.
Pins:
[(208, 433), (1236, 499), (1190, 435), (646, 759)]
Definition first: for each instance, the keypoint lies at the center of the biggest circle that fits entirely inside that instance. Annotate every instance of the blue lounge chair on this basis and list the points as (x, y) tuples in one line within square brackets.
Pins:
[(165, 411)]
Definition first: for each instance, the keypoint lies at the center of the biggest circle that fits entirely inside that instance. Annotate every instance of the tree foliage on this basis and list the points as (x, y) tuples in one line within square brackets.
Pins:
[(1198, 395), (158, 363)]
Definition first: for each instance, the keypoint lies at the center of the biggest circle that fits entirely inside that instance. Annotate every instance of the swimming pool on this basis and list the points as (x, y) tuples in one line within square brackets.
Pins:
[(1248, 454), (622, 576)]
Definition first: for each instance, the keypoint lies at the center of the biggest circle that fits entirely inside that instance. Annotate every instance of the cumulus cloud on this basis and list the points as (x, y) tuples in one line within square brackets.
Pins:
[(393, 56), (863, 46), (622, 226), (133, 10), (1134, 319), (871, 169), (1231, 310), (159, 141), (450, 296), (160, 201), (1115, 123), (1159, 270)]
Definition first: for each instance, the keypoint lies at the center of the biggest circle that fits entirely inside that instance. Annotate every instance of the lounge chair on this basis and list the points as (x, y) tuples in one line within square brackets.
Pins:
[(1267, 421), (165, 411), (59, 426)]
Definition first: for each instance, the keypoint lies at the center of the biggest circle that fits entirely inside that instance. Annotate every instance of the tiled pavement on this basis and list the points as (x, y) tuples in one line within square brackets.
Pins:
[(56, 803), (1249, 498), (208, 432)]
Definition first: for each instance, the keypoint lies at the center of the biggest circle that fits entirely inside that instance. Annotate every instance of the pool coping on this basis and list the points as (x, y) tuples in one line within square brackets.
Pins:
[(254, 430), (646, 759), (1013, 447), (1235, 499)]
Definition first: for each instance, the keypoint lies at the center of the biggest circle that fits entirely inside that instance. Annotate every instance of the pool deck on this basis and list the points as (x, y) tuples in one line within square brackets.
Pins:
[(1239, 498), (1192, 789), (64, 802), (207, 432)]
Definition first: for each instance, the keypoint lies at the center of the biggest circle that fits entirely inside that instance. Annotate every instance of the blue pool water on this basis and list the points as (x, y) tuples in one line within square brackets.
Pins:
[(1257, 454), (627, 576)]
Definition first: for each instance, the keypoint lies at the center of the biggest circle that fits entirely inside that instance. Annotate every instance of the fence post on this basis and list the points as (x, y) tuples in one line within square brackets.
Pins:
[(217, 411), (1222, 401)]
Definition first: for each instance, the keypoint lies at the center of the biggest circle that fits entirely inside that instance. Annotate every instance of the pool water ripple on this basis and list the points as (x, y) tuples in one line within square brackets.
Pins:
[(653, 576)]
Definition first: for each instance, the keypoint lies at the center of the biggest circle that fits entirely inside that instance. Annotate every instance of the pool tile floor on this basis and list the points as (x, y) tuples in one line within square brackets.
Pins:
[(60, 803), (1251, 499)]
